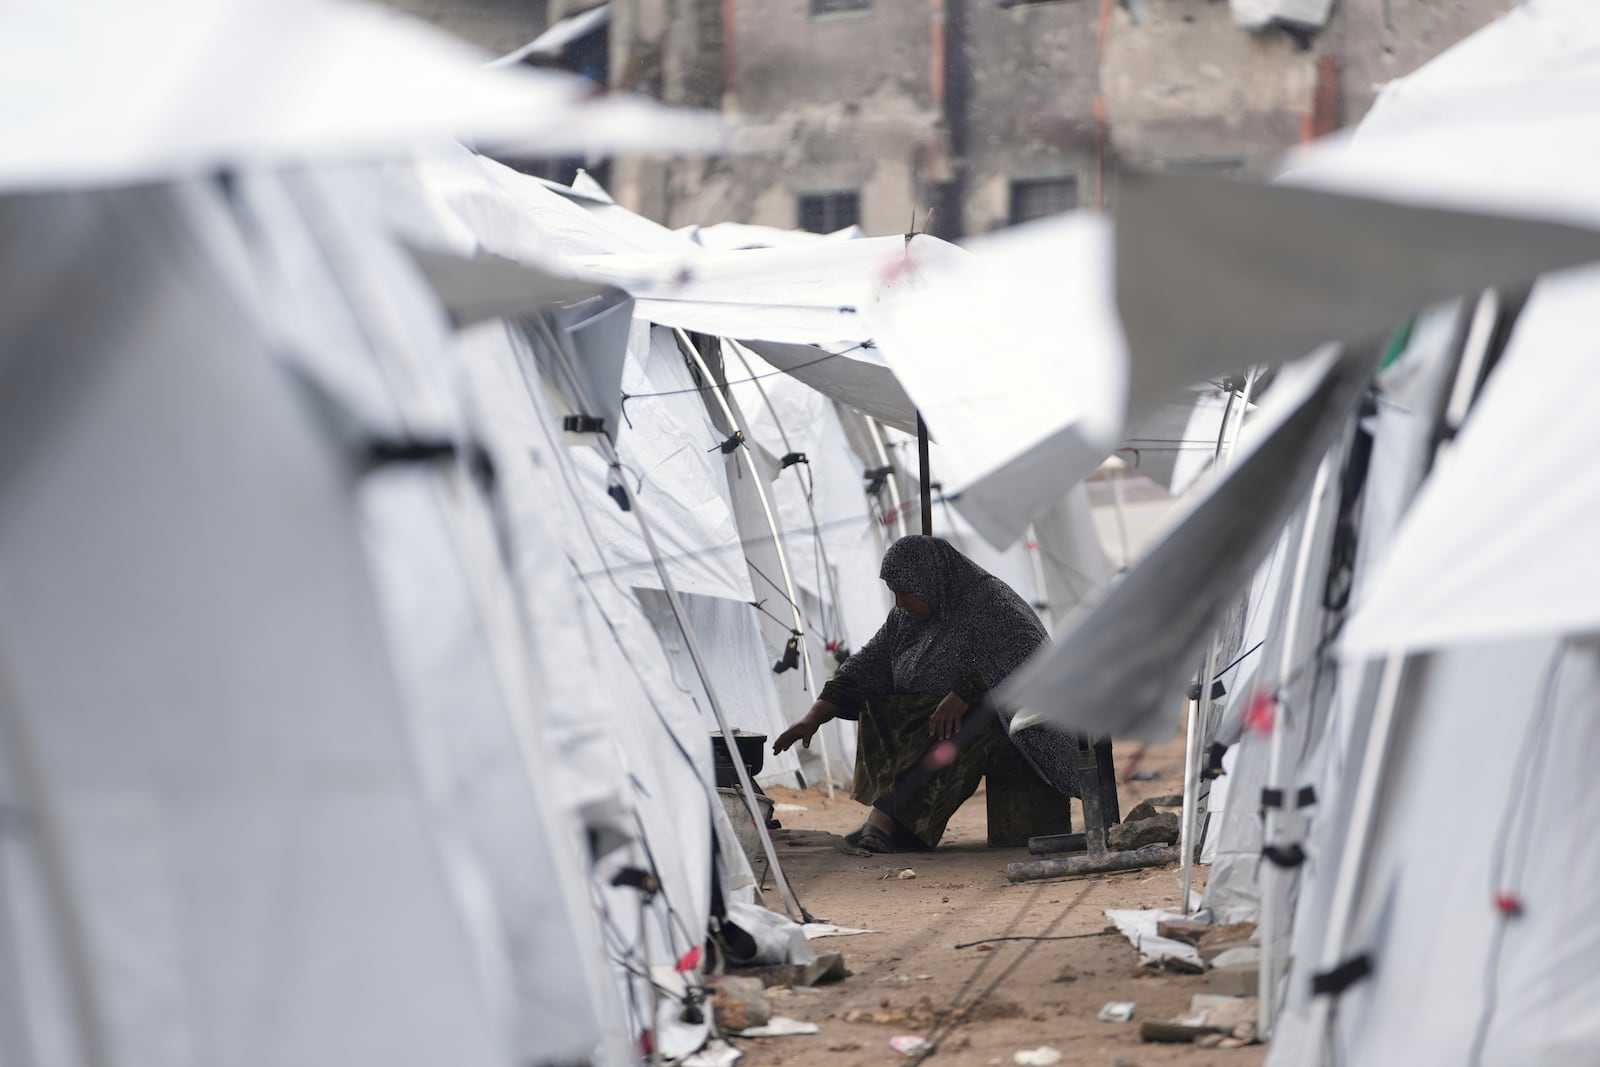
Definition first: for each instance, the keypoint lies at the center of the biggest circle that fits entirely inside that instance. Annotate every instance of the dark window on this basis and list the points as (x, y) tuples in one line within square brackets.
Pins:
[(835, 7), (1039, 198), (826, 212)]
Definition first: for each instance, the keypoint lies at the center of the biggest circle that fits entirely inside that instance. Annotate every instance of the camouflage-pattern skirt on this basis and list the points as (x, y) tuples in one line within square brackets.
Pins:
[(895, 775)]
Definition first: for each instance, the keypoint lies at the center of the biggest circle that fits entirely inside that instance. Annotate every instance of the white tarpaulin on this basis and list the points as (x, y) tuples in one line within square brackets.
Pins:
[(852, 374), (121, 93), (1259, 14), (235, 789), (1501, 540), (1118, 671), (668, 447), (815, 293), (1019, 370)]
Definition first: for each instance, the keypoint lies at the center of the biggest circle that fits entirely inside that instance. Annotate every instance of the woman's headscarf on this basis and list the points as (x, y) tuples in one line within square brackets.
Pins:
[(979, 624), (980, 632)]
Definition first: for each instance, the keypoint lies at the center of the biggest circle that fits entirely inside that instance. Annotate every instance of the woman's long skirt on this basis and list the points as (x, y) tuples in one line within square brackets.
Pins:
[(915, 779)]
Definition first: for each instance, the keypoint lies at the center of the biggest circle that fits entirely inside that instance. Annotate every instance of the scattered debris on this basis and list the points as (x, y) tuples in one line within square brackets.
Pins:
[(1117, 1011), (1239, 955), (1235, 980), (790, 807), (1175, 1033), (716, 1054), (1144, 776), (779, 1026), (1188, 931), (1211, 1040), (985, 947), (845, 1046), (1043, 1056), (1139, 927), (816, 930), (1067, 973), (1156, 830), (908, 1044), (740, 1003), (905, 874), (828, 967), (1224, 1013)]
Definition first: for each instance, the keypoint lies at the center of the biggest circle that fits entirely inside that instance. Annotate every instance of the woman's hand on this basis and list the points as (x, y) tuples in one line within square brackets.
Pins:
[(822, 711), (947, 717), (801, 731)]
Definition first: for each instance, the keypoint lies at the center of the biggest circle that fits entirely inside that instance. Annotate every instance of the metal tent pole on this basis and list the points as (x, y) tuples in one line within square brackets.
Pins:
[(825, 565), (1193, 726), (924, 480), (894, 479), (690, 639), (791, 593), (1480, 337), (1267, 969)]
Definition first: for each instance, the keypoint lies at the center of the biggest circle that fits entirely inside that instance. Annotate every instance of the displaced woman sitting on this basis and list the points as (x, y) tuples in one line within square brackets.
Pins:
[(955, 632)]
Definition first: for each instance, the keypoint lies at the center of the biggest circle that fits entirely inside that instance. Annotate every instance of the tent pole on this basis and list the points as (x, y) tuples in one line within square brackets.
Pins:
[(790, 592), (690, 639), (1271, 876), (1193, 724), (816, 532), (1478, 339), (894, 479), (925, 481)]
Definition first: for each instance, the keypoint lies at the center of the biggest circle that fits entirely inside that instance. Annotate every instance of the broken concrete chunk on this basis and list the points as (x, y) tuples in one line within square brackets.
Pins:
[(1186, 930), (1127, 836), (1238, 980), (740, 1003), (1240, 955)]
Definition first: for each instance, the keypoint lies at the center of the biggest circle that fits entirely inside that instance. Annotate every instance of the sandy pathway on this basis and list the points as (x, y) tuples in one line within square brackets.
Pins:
[(1017, 994)]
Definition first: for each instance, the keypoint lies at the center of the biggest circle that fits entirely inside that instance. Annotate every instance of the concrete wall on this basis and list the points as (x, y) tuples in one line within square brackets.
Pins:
[(496, 25), (1186, 86), (825, 103), (1028, 111), (853, 101), (1380, 40)]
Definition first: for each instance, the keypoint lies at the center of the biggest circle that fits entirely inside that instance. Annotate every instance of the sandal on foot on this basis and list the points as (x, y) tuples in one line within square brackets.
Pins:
[(873, 839)]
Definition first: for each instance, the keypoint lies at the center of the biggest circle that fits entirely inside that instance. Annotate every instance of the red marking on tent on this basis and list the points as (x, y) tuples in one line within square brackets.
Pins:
[(688, 961), (1509, 905), (1261, 712)]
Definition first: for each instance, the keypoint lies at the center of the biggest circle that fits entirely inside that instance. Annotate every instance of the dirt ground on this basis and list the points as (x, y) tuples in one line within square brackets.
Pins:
[(910, 974)]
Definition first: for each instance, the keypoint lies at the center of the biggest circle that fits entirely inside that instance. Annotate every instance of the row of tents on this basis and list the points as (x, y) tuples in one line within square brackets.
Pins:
[(384, 532)]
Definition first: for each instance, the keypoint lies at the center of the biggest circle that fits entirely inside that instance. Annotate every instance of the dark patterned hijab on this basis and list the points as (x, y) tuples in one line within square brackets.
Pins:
[(980, 632), (978, 624)]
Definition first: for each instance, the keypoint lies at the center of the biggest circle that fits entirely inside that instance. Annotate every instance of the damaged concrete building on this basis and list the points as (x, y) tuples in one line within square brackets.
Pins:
[(964, 116)]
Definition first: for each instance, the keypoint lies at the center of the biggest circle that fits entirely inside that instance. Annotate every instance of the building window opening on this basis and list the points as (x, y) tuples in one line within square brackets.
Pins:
[(1040, 198), (827, 212), (839, 7)]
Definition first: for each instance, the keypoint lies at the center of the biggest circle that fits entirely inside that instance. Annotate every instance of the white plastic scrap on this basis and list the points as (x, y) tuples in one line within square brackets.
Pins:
[(816, 930), (1116, 1011), (1139, 927), (1043, 1056), (778, 1026), (908, 1044)]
